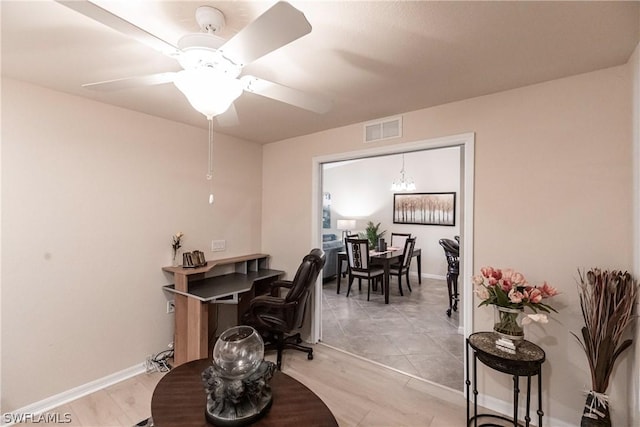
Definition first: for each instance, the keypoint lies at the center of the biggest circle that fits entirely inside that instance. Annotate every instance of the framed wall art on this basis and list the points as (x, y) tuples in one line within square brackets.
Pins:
[(326, 210), (424, 208)]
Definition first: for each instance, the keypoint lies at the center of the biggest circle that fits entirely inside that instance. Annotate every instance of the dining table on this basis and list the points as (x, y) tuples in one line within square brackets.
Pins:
[(391, 256), (385, 259)]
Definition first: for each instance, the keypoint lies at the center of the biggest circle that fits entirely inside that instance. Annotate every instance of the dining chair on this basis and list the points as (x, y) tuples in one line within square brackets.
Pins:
[(398, 239), (359, 265), (402, 268)]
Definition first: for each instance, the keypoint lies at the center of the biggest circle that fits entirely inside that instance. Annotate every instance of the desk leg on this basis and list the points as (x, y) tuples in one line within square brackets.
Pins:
[(181, 328), (338, 271), (191, 334), (419, 258), (386, 281)]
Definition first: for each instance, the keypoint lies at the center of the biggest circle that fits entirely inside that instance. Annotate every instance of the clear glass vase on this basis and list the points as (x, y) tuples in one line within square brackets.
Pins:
[(238, 352), (508, 323)]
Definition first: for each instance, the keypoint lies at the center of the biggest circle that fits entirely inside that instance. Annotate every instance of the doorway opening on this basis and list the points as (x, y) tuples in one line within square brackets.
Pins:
[(406, 309)]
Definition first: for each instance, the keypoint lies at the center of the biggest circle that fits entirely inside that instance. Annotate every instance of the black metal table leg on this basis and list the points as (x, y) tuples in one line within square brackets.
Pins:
[(467, 382), (475, 391), (527, 418), (540, 413), (516, 391)]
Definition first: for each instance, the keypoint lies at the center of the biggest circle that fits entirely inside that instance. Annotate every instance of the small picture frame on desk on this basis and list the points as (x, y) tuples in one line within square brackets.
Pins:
[(193, 259)]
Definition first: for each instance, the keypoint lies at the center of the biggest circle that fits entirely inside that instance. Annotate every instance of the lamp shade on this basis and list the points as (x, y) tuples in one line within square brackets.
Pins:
[(208, 91), (346, 224)]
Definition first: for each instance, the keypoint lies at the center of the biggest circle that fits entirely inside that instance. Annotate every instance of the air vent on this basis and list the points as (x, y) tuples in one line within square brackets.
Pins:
[(383, 129)]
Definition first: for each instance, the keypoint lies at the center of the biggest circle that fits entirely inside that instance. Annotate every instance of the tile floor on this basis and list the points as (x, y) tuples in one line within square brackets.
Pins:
[(412, 334)]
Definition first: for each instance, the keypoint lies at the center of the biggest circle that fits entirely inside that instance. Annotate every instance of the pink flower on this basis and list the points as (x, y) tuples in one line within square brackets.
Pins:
[(481, 292), (507, 273), (535, 296), (548, 291), (493, 281), (486, 271), (477, 280), (506, 285), (515, 296), (517, 278), (497, 273)]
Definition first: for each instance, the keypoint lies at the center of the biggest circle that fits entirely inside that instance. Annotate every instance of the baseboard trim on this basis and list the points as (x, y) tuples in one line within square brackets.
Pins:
[(77, 392), (433, 276), (506, 409)]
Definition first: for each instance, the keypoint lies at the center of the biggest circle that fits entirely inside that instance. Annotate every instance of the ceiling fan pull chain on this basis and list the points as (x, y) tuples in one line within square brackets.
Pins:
[(210, 166)]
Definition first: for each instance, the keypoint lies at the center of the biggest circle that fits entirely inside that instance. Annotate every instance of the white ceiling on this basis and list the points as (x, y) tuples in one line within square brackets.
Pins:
[(373, 59)]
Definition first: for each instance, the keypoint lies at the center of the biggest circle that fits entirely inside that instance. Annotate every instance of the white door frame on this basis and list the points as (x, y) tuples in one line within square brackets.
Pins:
[(467, 143)]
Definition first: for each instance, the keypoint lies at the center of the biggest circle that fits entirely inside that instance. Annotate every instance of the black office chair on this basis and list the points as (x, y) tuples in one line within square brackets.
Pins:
[(452, 253), (402, 268), (275, 317)]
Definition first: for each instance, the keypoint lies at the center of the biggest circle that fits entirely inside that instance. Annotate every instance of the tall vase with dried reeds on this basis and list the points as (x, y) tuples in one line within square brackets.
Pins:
[(607, 299)]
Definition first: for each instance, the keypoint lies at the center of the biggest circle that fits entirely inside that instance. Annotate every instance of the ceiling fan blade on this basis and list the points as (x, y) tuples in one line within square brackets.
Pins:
[(286, 94), (228, 118), (131, 82), (107, 18), (278, 26)]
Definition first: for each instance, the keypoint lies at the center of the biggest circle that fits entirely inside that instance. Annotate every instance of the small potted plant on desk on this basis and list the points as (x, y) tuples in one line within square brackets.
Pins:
[(607, 299)]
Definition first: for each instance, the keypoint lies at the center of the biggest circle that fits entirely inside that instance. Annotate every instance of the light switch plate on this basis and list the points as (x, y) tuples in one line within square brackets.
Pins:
[(218, 245)]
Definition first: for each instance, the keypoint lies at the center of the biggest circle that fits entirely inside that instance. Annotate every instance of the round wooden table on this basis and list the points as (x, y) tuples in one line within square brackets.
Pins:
[(179, 400)]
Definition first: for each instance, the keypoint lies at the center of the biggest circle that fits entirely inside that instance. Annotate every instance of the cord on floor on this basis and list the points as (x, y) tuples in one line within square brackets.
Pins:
[(159, 362)]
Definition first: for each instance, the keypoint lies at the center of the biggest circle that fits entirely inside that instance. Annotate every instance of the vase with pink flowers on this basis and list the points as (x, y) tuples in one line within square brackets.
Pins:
[(510, 293)]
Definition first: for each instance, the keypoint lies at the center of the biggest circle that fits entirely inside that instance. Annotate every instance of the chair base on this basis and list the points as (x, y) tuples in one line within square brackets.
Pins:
[(281, 342)]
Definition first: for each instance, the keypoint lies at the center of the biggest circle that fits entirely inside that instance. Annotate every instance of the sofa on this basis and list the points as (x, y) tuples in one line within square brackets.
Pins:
[(331, 245)]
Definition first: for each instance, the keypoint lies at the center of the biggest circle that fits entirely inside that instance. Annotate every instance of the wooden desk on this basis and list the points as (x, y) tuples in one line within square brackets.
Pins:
[(179, 400), (236, 284), (385, 260)]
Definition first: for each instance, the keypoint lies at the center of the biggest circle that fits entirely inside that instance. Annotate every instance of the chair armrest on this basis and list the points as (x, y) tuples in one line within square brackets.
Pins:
[(277, 284), (269, 313), (269, 302)]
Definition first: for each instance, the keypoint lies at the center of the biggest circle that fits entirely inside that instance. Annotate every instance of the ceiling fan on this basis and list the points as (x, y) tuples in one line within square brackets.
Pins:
[(212, 66)]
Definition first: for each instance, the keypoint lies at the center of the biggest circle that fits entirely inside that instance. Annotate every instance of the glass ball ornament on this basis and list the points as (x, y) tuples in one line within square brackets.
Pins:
[(238, 352)]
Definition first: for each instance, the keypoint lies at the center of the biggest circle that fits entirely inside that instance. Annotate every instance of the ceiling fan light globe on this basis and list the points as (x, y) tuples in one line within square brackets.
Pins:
[(208, 91)]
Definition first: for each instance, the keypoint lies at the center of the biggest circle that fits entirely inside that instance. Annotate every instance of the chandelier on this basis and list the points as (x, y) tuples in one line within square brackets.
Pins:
[(403, 184)]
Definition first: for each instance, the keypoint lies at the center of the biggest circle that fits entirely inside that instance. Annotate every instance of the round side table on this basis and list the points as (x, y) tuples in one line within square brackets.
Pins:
[(526, 361), (179, 399)]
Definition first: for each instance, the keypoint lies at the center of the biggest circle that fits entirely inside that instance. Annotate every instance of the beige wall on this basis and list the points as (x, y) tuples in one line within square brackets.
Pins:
[(91, 195), (635, 69), (552, 185)]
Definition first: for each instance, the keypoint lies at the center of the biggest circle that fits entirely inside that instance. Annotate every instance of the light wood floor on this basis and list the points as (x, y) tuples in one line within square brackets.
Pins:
[(358, 392)]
